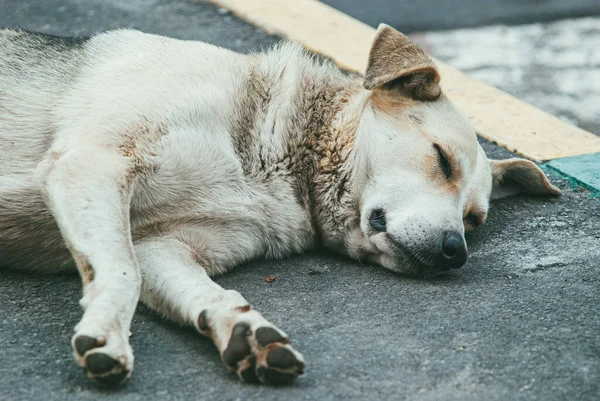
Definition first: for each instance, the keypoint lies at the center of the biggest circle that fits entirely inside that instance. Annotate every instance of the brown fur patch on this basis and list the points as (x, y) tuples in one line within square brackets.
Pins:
[(84, 266), (318, 105), (316, 142), (252, 104), (136, 147), (397, 64), (473, 219), (433, 169), (390, 103), (334, 204), (243, 309)]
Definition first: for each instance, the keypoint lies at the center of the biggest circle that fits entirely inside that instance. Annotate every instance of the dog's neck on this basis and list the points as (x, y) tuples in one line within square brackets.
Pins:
[(333, 192), (317, 122)]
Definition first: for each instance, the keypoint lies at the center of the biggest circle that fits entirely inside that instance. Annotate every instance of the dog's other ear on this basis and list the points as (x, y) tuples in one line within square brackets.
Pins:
[(396, 63), (513, 176)]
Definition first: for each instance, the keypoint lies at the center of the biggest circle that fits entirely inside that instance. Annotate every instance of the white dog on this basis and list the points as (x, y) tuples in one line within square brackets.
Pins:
[(154, 163)]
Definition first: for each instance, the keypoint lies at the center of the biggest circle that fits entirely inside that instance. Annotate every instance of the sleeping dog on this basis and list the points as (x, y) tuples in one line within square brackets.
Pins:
[(152, 164)]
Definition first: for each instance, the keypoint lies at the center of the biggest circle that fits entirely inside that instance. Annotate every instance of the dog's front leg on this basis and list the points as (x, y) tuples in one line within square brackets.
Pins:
[(174, 284), (88, 191)]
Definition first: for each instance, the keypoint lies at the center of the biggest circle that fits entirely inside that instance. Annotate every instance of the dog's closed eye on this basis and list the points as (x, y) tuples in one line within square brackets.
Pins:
[(443, 161)]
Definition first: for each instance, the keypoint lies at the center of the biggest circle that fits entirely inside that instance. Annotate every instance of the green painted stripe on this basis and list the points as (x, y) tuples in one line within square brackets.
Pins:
[(585, 169)]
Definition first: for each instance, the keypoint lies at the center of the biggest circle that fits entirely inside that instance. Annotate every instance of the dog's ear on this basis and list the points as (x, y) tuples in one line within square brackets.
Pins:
[(513, 176), (396, 63)]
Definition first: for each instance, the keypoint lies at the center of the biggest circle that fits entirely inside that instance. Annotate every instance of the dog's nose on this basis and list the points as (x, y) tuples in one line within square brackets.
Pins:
[(453, 252)]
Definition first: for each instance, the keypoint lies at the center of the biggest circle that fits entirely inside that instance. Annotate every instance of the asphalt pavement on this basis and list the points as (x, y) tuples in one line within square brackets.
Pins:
[(435, 15), (519, 322)]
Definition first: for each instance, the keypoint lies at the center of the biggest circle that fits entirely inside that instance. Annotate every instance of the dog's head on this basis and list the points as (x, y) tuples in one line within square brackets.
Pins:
[(423, 178)]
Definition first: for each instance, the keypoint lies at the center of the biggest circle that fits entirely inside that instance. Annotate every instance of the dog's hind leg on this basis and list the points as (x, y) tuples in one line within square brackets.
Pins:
[(87, 189), (174, 284)]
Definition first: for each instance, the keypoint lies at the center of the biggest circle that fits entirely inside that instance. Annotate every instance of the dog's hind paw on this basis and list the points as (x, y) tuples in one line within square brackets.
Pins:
[(263, 355), (108, 359)]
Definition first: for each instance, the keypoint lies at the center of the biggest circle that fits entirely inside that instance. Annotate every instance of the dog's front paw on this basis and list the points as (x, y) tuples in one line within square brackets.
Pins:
[(107, 358), (262, 355)]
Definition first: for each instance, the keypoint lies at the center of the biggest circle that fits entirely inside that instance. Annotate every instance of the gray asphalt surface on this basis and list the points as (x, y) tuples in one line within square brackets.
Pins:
[(434, 15), (181, 19), (519, 322)]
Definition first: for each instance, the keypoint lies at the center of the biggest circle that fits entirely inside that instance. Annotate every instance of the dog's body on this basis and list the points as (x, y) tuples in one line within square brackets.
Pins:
[(154, 163), (237, 154)]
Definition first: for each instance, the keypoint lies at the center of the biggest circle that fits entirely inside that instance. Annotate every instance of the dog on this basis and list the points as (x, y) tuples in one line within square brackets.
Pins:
[(151, 164)]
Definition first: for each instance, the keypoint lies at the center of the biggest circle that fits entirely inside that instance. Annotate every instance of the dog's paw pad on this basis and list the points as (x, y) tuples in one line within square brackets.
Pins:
[(268, 335), (263, 356), (105, 355), (105, 369), (99, 363), (279, 364), (271, 376), (239, 346), (85, 343), (282, 358)]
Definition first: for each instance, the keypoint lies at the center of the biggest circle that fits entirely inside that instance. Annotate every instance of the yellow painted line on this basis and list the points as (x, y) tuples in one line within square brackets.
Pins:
[(496, 116)]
